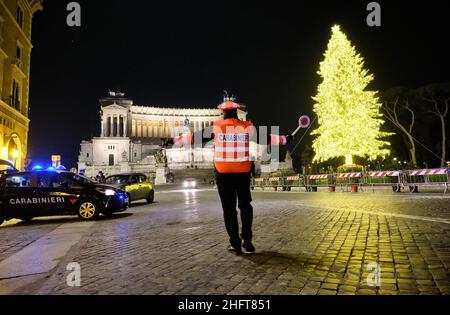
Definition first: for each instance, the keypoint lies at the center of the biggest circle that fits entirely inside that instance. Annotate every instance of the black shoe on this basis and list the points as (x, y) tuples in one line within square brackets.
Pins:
[(248, 246), (235, 250)]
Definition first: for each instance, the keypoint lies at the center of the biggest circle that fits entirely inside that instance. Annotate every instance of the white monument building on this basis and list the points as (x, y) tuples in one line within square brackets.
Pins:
[(130, 139)]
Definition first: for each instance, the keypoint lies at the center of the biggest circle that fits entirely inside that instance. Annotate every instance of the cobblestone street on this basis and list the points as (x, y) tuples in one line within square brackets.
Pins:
[(306, 244)]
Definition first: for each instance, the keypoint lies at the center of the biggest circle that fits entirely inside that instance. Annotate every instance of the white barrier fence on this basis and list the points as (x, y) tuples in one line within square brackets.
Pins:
[(399, 181)]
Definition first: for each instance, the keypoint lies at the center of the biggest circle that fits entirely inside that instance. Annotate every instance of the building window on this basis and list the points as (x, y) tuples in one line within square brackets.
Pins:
[(19, 17), (87, 155), (19, 53), (15, 97), (111, 160), (1, 29)]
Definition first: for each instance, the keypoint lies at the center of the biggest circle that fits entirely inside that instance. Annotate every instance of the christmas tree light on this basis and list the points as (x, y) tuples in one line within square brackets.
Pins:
[(349, 116)]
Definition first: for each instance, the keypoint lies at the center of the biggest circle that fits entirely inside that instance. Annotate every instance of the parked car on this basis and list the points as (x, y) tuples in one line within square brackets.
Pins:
[(27, 195), (137, 186)]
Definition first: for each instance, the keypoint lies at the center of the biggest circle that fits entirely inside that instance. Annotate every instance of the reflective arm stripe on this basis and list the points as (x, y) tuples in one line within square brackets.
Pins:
[(278, 140), (221, 159), (183, 140), (232, 149)]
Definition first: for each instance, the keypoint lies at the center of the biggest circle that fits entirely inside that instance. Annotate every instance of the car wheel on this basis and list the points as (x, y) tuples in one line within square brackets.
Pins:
[(151, 197), (88, 210), (129, 198)]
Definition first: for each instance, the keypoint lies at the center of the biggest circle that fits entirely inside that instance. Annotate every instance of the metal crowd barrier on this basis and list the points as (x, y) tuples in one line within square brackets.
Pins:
[(393, 179), (426, 179), (313, 182), (398, 180), (350, 180)]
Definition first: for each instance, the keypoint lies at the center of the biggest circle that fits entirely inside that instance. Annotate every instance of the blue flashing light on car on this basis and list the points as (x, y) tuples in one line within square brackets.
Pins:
[(38, 168)]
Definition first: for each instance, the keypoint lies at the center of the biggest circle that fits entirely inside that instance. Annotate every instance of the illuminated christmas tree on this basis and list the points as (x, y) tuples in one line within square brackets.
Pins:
[(349, 116)]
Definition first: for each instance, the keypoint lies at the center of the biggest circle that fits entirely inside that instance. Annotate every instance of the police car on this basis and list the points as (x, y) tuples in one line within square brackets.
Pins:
[(34, 194)]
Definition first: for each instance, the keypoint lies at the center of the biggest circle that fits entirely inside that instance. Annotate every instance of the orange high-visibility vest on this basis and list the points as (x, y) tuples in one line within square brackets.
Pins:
[(232, 146), (278, 140)]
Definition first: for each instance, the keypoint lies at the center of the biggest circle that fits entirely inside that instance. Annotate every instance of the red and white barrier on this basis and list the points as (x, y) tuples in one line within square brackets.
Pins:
[(259, 180), (349, 175), (318, 177), (274, 179), (293, 178), (429, 172), (384, 174)]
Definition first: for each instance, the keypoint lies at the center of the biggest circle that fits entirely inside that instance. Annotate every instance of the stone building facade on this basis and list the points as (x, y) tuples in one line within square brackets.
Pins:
[(16, 18)]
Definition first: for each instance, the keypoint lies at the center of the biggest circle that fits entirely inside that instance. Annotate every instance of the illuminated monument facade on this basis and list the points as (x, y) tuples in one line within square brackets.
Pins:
[(130, 139)]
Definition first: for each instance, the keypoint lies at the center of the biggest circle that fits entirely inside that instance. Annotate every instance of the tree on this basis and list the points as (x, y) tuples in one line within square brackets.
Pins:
[(306, 158), (439, 96), (399, 109), (349, 116)]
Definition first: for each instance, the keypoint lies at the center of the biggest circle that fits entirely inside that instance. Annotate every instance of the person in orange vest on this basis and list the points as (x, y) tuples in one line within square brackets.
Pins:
[(233, 170)]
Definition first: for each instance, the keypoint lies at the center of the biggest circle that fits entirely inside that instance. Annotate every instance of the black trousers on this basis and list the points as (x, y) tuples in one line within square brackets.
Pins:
[(235, 189)]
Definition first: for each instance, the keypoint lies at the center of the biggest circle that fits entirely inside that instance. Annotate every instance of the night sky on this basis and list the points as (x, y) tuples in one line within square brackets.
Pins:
[(185, 53)]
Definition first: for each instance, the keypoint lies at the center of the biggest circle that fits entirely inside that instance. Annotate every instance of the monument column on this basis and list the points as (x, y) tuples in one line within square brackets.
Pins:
[(118, 126), (111, 126), (125, 126), (103, 127)]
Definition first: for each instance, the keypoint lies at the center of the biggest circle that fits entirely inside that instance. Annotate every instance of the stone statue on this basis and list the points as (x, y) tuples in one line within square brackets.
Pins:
[(161, 158), (124, 156), (187, 126)]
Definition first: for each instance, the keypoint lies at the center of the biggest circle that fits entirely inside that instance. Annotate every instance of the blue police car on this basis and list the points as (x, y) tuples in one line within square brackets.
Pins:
[(27, 195)]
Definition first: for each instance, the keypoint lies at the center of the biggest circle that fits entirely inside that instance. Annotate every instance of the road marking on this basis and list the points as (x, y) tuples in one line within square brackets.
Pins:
[(44, 254), (184, 191), (387, 214)]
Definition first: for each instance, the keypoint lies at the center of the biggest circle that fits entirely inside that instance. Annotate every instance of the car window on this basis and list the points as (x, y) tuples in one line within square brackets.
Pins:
[(65, 180), (135, 179), (21, 181), (117, 180), (80, 179), (45, 180), (142, 179)]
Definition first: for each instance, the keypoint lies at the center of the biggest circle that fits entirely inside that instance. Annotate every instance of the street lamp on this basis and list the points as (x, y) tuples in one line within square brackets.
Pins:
[(15, 155)]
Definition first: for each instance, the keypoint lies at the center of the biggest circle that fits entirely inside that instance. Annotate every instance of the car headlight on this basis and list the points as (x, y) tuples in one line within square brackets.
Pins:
[(110, 192), (107, 192)]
